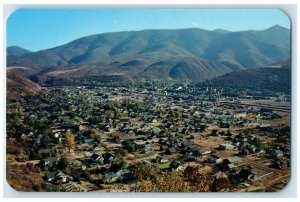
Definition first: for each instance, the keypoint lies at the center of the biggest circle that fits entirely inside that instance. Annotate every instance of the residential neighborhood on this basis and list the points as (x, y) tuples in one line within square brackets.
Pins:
[(123, 137)]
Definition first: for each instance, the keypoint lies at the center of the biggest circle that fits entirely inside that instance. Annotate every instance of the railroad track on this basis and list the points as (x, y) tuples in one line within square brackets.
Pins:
[(275, 108)]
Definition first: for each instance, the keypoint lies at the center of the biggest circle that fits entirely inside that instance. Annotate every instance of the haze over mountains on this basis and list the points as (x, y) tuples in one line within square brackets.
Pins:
[(182, 54)]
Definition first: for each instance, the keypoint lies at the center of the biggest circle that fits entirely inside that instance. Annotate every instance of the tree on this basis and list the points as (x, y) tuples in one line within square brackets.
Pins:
[(64, 165), (94, 134), (70, 140), (142, 172), (116, 166), (45, 141), (221, 184), (168, 182), (129, 146), (198, 182), (191, 173), (258, 142)]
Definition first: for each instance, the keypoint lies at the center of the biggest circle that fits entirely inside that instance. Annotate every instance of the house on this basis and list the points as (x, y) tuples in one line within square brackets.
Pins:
[(232, 160), (107, 158), (50, 161), (163, 147), (240, 115), (148, 148), (110, 177), (22, 158), (225, 146), (214, 159), (56, 177), (89, 141), (204, 151), (277, 154), (229, 166), (161, 159), (189, 156), (175, 165), (95, 158), (124, 174), (196, 136), (170, 150), (97, 148)]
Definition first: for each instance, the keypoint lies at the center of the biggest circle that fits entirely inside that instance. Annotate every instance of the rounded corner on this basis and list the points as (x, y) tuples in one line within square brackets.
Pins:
[(11, 13), (285, 186), (286, 14), (10, 186)]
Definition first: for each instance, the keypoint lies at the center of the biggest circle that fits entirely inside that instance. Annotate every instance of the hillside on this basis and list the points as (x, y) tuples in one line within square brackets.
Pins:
[(275, 79), (17, 84)]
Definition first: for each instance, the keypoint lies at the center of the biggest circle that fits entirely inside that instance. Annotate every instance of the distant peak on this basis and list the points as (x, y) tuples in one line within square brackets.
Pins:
[(16, 51), (18, 47), (276, 27), (221, 30)]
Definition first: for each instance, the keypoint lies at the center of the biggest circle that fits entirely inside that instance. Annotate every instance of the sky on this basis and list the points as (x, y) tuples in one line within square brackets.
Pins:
[(38, 29)]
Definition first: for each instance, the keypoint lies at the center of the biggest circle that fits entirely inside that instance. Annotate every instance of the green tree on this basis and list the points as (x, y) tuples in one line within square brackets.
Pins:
[(64, 165), (129, 146)]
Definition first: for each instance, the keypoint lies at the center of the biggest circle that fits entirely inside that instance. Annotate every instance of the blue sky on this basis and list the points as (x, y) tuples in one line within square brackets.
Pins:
[(37, 29)]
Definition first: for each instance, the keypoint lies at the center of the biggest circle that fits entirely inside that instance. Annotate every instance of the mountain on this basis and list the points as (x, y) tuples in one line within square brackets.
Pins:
[(16, 51), (18, 85), (193, 54)]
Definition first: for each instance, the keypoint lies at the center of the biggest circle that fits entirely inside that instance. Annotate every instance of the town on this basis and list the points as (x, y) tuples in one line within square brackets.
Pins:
[(148, 137)]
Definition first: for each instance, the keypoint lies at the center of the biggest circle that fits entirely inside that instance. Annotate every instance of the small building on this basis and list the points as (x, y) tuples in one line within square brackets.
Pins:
[(232, 160), (214, 159), (204, 151), (56, 177), (277, 154), (95, 158), (50, 161), (225, 146), (175, 165), (162, 159), (170, 150), (196, 136), (110, 177)]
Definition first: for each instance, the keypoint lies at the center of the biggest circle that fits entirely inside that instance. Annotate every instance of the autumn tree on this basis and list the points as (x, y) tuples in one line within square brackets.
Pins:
[(191, 173), (221, 184), (142, 172), (168, 182), (198, 182), (70, 140), (203, 183), (95, 135)]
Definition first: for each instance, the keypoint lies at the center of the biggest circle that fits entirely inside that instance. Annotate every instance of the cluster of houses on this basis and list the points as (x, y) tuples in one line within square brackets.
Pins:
[(163, 122)]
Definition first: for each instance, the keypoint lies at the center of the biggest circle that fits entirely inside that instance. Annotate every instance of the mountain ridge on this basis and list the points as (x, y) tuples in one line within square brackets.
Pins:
[(206, 54)]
